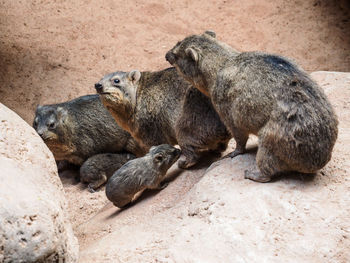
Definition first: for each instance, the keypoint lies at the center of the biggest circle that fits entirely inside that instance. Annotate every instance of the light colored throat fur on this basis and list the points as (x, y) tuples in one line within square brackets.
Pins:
[(59, 150), (125, 122), (202, 88)]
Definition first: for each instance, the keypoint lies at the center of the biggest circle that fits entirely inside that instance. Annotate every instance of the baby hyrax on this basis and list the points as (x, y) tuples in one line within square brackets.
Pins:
[(78, 129), (160, 107), (262, 94), (142, 173), (99, 168)]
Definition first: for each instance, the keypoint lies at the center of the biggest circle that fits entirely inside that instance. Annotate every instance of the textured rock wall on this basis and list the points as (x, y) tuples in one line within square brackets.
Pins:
[(33, 223)]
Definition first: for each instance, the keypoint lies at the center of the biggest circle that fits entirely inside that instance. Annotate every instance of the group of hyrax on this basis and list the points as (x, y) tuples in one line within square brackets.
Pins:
[(212, 93)]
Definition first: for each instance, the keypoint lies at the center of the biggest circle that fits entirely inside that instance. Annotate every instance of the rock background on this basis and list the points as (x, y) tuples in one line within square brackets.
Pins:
[(54, 51), (33, 222)]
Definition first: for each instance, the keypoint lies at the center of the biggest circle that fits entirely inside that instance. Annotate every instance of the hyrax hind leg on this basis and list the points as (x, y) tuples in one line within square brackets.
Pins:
[(269, 165), (96, 184), (220, 147)]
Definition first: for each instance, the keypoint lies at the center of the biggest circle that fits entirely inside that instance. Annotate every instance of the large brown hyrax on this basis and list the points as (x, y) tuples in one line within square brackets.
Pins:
[(78, 129), (99, 168), (160, 107), (262, 94), (142, 173)]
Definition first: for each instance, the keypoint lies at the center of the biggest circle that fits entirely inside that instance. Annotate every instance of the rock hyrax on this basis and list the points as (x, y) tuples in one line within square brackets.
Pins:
[(142, 173), (99, 168), (262, 94), (160, 107), (80, 128)]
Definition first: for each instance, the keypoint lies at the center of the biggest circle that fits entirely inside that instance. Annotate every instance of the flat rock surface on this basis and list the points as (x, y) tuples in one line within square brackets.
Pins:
[(215, 215), (33, 222)]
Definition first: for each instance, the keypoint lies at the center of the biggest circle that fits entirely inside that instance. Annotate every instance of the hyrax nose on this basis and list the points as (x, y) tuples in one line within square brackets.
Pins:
[(98, 87), (40, 132), (170, 57), (176, 151)]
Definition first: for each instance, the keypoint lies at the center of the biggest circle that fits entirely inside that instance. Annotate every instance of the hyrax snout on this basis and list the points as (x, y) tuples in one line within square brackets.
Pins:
[(162, 108), (142, 173), (262, 94), (78, 129)]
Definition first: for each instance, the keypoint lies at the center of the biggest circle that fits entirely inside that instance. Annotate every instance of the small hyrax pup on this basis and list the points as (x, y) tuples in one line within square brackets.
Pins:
[(262, 94), (80, 128), (161, 107), (142, 173), (99, 168)]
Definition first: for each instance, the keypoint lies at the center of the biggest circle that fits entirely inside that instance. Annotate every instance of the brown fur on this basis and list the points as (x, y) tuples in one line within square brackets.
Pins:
[(78, 129), (142, 173), (262, 94), (160, 107), (99, 168)]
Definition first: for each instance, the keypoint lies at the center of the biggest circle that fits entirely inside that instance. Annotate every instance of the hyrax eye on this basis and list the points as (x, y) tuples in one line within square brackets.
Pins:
[(116, 81)]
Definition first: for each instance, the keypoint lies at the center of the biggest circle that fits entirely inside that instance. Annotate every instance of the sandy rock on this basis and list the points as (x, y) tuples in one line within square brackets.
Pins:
[(33, 224), (53, 51), (225, 218)]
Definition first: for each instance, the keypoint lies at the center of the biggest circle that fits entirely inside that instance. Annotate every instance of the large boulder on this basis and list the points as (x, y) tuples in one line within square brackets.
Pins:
[(33, 223), (226, 218)]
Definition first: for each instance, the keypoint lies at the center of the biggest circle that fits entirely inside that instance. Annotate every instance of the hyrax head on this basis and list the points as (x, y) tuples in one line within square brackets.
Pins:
[(187, 57), (164, 156), (119, 88), (49, 122)]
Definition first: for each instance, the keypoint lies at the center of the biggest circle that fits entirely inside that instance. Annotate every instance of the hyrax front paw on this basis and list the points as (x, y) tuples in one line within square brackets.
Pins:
[(236, 152), (162, 186), (185, 164)]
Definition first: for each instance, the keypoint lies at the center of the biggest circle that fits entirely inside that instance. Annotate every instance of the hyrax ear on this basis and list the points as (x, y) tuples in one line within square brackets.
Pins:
[(158, 158), (62, 113), (134, 76), (210, 33), (38, 108), (152, 148), (193, 54)]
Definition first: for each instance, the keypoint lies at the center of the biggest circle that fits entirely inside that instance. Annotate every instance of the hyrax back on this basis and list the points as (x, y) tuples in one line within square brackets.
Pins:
[(156, 108), (80, 128), (142, 173), (99, 168), (262, 94)]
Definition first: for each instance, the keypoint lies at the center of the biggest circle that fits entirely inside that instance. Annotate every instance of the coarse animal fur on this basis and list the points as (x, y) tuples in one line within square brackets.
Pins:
[(262, 94), (160, 107), (99, 168), (146, 172), (78, 129)]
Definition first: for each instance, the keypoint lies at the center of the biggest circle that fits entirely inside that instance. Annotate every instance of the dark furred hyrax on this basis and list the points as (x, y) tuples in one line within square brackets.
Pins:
[(142, 173), (160, 107), (78, 129), (262, 94), (99, 168)]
